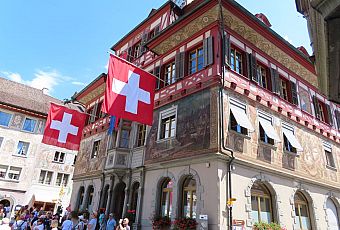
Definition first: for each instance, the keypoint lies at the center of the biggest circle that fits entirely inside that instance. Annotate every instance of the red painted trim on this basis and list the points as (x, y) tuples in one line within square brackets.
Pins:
[(32, 114)]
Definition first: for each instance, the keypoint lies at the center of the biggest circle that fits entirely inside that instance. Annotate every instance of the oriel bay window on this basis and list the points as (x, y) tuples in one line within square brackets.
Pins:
[(239, 121), (166, 198), (189, 198), (302, 215), (261, 204), (291, 143), (267, 132)]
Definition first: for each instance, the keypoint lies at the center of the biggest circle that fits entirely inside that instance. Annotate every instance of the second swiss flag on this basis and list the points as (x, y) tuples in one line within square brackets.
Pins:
[(129, 92)]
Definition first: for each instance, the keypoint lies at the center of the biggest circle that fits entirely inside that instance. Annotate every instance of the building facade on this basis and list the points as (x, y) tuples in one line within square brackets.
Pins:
[(31, 173), (238, 114)]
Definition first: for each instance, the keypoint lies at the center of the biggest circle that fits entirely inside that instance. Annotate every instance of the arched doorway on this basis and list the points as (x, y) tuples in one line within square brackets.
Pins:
[(118, 197), (332, 214), (105, 196), (6, 205), (80, 198)]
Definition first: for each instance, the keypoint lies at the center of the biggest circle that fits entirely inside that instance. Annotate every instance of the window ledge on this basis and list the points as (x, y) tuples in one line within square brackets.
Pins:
[(57, 162), (331, 168), (18, 155), (261, 143), (165, 139), (291, 153), (9, 180), (240, 134)]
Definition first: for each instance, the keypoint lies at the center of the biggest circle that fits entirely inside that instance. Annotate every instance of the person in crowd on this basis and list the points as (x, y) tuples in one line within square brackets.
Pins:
[(77, 224), (123, 224), (93, 221), (54, 224), (39, 225), (111, 222), (67, 224), (20, 224), (102, 219)]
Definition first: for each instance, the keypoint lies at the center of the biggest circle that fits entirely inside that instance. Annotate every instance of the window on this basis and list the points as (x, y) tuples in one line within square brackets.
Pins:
[(90, 195), (62, 179), (112, 140), (154, 32), (125, 134), (22, 148), (45, 177), (29, 125), (291, 144), (136, 49), (302, 217), (189, 204), (262, 76), (1, 140), (322, 111), (239, 121), (14, 173), (3, 171), (166, 198), (80, 197), (284, 89), (261, 204), (141, 135), (329, 155), (196, 60), (267, 131), (170, 73), (5, 118), (236, 60), (95, 149), (167, 124), (59, 157)]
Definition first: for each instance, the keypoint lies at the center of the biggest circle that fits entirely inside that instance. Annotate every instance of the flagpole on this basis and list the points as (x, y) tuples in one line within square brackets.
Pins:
[(130, 63)]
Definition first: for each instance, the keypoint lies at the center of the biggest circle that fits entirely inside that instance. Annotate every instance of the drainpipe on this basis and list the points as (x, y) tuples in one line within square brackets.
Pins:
[(221, 120)]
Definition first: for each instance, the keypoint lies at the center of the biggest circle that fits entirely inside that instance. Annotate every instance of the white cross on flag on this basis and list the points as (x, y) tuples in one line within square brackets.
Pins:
[(64, 127), (130, 92)]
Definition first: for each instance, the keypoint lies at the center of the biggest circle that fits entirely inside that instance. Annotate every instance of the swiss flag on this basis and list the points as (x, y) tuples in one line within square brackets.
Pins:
[(64, 127), (130, 92)]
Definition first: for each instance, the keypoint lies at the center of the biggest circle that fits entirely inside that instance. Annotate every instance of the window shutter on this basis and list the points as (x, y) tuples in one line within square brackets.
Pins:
[(179, 65), (275, 81), (157, 72), (157, 29), (337, 116), (93, 113), (227, 50), (329, 112), (251, 67), (294, 93), (208, 51), (316, 107)]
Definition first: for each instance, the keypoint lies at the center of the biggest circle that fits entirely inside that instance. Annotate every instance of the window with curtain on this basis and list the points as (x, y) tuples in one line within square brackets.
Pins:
[(166, 198), (189, 198), (302, 216), (261, 204)]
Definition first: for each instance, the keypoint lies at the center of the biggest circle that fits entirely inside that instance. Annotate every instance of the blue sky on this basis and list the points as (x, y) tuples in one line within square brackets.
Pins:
[(62, 45)]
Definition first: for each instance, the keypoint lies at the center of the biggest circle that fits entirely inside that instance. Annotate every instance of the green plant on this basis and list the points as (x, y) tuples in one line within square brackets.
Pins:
[(267, 226), (185, 223), (159, 222)]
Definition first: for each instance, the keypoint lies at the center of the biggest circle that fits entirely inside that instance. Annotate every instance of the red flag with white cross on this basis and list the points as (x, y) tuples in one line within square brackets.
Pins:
[(130, 92), (64, 127)]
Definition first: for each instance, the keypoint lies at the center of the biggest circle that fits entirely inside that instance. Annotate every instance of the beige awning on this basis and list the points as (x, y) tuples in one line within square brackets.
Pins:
[(241, 118), (269, 129), (292, 139)]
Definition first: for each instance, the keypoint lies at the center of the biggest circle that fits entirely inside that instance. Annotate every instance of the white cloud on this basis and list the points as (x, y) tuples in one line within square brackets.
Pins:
[(287, 39), (42, 79), (78, 83)]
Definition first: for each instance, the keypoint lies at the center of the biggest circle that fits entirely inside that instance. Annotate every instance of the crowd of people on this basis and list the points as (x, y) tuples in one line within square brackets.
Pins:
[(34, 219)]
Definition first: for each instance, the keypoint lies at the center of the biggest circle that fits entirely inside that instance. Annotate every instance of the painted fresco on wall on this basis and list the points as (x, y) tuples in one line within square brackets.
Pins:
[(17, 121), (305, 101), (192, 129)]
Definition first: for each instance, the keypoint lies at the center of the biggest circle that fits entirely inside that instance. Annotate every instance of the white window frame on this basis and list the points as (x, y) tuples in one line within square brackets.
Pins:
[(35, 126), (59, 154), (62, 179), (327, 147), (10, 120), (13, 168), (6, 168), (165, 114), (269, 118), (22, 155), (95, 140), (45, 177)]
